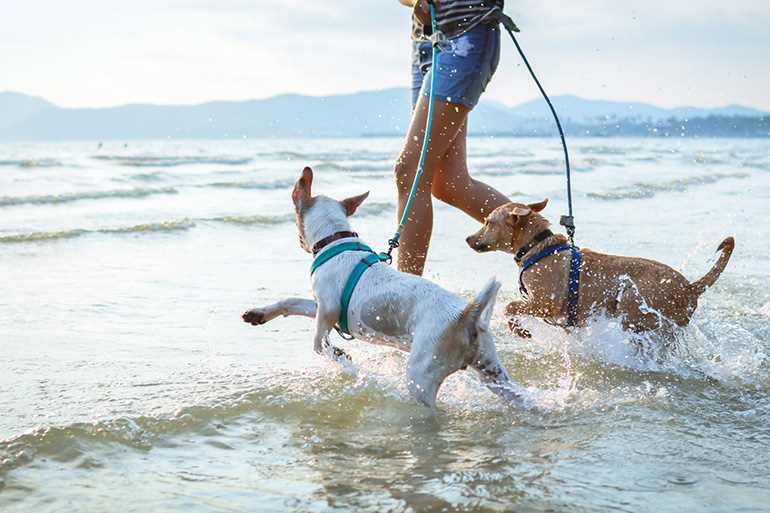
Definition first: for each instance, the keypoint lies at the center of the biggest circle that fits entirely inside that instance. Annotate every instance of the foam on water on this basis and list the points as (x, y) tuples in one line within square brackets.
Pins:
[(169, 161), (641, 190), (56, 199), (258, 220), (31, 163)]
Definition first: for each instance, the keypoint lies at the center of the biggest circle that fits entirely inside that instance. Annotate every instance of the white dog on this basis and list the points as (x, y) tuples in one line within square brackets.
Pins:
[(442, 333)]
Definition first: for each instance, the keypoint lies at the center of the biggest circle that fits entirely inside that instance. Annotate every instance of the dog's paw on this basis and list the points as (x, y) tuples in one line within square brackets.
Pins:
[(517, 330), (338, 354), (255, 317)]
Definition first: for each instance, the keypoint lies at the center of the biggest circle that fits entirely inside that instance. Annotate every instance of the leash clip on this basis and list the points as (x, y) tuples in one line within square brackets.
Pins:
[(569, 223), (392, 244), (439, 41)]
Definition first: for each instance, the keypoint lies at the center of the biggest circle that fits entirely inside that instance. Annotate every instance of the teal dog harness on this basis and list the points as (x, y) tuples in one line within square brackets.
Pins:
[(358, 271)]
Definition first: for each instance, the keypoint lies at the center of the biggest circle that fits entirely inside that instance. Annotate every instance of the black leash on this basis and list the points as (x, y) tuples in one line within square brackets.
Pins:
[(567, 221)]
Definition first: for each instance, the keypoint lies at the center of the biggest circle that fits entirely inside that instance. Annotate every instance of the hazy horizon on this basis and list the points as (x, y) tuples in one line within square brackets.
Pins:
[(193, 51), (535, 98)]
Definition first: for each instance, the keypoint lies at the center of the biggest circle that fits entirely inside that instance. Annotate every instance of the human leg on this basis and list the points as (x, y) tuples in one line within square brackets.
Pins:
[(415, 236), (453, 185)]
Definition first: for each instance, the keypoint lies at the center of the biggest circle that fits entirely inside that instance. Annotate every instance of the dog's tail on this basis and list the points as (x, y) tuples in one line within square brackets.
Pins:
[(700, 286), (475, 320), (478, 313)]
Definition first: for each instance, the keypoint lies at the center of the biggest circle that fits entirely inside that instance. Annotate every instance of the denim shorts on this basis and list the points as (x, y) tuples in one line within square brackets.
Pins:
[(464, 67)]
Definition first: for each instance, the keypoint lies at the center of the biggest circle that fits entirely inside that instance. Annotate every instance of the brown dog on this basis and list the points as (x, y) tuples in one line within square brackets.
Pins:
[(646, 295)]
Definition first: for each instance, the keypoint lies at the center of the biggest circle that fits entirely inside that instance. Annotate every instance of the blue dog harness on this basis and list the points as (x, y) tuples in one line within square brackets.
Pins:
[(574, 276), (358, 271)]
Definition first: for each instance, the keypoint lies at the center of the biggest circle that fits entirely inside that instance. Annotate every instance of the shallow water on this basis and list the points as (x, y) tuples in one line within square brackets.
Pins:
[(129, 383)]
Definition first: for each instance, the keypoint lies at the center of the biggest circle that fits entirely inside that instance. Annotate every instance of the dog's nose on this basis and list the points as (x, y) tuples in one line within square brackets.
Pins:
[(469, 240)]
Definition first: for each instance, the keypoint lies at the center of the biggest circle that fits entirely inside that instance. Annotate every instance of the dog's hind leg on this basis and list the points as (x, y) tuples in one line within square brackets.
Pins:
[(287, 307)]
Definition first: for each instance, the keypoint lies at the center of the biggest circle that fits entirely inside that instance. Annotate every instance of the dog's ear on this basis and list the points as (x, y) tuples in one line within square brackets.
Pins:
[(351, 204), (516, 213), (302, 194), (538, 207)]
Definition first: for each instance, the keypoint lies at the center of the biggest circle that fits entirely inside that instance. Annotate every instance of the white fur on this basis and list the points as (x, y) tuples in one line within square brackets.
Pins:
[(398, 310)]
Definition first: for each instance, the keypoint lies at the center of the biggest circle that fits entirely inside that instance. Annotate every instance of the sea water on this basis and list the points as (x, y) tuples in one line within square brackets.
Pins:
[(128, 381)]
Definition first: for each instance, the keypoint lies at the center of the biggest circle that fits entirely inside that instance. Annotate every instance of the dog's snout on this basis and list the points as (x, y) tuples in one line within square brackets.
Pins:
[(476, 244)]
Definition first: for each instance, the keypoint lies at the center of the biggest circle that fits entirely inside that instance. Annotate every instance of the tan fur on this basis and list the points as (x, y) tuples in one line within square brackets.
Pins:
[(646, 294)]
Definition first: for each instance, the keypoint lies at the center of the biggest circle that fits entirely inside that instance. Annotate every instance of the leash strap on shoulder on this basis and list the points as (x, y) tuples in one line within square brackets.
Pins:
[(573, 284)]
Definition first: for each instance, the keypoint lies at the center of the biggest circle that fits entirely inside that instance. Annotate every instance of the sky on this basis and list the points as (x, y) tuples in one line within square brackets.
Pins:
[(85, 53)]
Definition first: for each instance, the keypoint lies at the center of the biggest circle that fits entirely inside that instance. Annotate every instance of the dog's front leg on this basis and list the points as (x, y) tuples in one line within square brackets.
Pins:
[(322, 329), (321, 344), (287, 307), (515, 309)]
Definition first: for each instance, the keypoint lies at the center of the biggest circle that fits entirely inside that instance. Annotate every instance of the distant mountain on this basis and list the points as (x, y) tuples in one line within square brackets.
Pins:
[(370, 113), (581, 110), (16, 107)]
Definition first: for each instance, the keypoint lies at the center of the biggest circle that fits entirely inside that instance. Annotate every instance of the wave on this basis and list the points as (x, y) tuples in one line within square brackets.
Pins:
[(278, 395), (31, 163), (590, 370), (539, 167), (147, 177), (763, 166), (366, 210), (159, 161), (376, 208), (353, 167), (277, 184), (703, 159), (283, 155), (644, 190), (254, 220), (609, 150), (56, 199), (167, 226)]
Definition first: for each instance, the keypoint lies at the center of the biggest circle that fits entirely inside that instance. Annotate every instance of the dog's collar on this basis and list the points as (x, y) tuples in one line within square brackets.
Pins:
[(332, 238), (537, 239)]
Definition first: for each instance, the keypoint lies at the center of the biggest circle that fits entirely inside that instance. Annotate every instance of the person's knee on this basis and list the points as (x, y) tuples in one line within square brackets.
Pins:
[(404, 172), (443, 191), (448, 191)]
